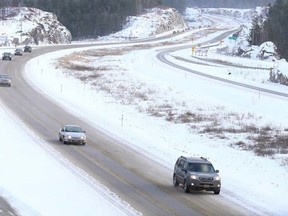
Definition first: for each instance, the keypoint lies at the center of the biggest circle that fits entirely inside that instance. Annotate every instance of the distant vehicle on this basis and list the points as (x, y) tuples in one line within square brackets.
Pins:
[(196, 173), (18, 51), (72, 134), (27, 49), (5, 80), (7, 56)]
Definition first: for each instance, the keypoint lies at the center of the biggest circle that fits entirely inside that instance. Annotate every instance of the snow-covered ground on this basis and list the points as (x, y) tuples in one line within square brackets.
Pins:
[(149, 92)]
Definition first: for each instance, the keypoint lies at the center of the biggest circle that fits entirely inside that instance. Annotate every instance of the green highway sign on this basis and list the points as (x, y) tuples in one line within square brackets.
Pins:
[(232, 38)]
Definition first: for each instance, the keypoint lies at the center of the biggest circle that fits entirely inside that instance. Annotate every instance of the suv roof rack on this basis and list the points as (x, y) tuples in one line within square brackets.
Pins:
[(194, 158)]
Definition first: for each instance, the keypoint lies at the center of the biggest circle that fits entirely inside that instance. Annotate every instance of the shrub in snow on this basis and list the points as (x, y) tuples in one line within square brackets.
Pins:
[(266, 51), (279, 74)]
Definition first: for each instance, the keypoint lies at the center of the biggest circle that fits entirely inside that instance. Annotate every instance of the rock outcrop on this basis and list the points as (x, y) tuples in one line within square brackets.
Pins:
[(31, 26), (159, 20)]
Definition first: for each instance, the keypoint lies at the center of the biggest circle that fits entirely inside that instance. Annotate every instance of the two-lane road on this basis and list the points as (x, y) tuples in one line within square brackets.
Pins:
[(137, 179)]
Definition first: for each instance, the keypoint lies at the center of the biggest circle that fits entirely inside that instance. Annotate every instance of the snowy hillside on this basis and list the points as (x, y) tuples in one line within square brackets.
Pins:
[(31, 26), (151, 23)]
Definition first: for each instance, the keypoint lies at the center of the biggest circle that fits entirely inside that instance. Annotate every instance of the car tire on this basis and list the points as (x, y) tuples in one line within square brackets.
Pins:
[(63, 140), (217, 191), (175, 182), (185, 187)]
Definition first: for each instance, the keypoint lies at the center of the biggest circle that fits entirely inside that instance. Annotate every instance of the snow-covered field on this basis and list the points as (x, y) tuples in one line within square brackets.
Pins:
[(147, 95)]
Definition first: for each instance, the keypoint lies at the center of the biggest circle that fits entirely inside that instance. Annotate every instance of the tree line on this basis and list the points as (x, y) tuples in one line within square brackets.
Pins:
[(274, 28), (277, 27), (92, 18), (241, 4)]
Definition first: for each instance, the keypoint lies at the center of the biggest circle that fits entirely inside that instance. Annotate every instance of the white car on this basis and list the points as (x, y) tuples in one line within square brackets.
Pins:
[(19, 52), (72, 134)]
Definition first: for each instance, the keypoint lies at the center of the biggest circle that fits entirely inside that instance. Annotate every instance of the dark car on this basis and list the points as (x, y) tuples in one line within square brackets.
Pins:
[(19, 52), (72, 134), (196, 173), (7, 56), (27, 49), (5, 80)]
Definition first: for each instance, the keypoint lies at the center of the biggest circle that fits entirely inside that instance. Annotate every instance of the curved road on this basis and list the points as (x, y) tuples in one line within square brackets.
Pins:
[(162, 56), (137, 179)]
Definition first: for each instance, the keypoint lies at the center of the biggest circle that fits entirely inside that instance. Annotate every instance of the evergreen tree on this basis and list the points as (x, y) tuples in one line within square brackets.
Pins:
[(277, 26), (258, 33)]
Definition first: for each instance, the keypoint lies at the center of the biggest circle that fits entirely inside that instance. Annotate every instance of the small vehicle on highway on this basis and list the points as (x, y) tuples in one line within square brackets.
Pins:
[(7, 56), (5, 80), (72, 134), (196, 173), (27, 49), (18, 51)]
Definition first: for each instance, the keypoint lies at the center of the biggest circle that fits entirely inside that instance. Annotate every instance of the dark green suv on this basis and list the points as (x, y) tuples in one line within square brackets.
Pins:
[(196, 173)]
